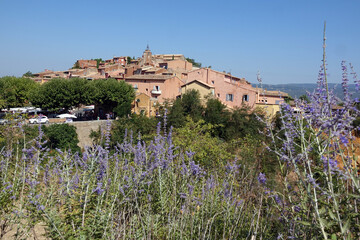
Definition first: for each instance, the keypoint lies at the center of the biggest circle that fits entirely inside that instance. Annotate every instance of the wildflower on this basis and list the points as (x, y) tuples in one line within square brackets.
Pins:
[(297, 209), (183, 195), (262, 178)]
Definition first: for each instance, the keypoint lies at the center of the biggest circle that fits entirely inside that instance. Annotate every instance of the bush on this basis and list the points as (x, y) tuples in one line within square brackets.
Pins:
[(62, 136)]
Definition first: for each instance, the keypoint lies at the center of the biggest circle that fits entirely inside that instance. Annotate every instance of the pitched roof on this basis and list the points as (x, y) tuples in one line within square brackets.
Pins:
[(222, 73), (271, 93), (149, 77), (202, 83)]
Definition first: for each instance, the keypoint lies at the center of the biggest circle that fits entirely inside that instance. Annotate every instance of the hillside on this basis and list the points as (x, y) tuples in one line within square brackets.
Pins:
[(295, 90)]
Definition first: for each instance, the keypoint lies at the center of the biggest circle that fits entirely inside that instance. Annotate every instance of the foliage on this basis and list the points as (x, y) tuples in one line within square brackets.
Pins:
[(227, 124), (188, 105), (176, 116), (137, 124), (244, 121), (139, 191), (62, 136), (98, 61), (16, 134), (61, 93), (319, 165), (66, 93), (110, 93), (192, 105), (15, 92), (76, 65), (163, 189), (211, 152), (194, 63), (128, 60), (28, 74), (123, 109), (217, 114)]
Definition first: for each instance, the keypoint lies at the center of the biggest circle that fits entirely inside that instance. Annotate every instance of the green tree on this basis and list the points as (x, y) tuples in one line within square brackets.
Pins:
[(76, 65), (98, 61), (176, 115), (192, 104), (28, 74), (128, 60), (62, 136), (62, 93), (217, 114), (123, 109), (16, 92), (244, 121), (109, 93), (194, 63)]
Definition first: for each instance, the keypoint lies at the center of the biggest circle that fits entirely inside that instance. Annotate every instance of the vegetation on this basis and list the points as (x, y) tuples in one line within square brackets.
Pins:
[(66, 93), (61, 136), (212, 176), (98, 61), (61, 93), (110, 93), (16, 92), (17, 134), (76, 65), (206, 179), (28, 74), (194, 63)]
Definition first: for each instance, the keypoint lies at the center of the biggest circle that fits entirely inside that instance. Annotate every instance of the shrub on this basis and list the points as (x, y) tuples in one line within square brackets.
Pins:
[(62, 136)]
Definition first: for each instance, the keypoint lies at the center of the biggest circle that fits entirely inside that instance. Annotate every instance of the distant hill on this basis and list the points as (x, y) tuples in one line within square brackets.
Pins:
[(295, 90)]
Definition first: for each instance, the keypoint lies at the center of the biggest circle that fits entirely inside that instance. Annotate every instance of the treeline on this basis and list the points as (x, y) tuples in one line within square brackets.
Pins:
[(216, 133), (225, 124), (61, 93)]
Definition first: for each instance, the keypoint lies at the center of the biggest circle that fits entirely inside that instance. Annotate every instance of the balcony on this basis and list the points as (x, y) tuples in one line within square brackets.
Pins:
[(156, 92)]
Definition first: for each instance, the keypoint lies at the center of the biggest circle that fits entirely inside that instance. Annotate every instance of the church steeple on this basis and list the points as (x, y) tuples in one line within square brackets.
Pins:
[(147, 56)]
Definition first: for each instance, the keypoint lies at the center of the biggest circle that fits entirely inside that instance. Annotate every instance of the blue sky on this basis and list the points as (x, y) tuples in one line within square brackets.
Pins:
[(281, 39)]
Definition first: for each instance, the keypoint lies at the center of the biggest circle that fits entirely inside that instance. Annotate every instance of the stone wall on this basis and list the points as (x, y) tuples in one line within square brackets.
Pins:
[(83, 130)]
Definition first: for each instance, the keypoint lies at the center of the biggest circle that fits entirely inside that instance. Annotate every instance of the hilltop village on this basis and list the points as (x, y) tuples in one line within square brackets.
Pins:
[(158, 78)]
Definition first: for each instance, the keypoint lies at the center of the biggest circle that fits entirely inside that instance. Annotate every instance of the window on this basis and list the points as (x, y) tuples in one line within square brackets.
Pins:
[(157, 88), (229, 97), (245, 98), (212, 82), (135, 86), (218, 94)]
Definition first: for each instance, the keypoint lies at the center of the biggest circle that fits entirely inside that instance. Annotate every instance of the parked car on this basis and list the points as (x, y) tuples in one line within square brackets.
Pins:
[(40, 119)]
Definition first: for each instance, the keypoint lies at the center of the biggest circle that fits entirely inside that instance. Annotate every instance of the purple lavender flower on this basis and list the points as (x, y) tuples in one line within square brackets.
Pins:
[(210, 183), (183, 195), (262, 179), (297, 208), (99, 189), (312, 181)]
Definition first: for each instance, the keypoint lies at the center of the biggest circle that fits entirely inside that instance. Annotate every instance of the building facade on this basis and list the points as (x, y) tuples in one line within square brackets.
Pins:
[(230, 90)]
